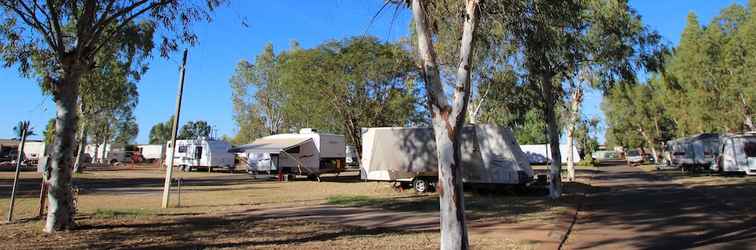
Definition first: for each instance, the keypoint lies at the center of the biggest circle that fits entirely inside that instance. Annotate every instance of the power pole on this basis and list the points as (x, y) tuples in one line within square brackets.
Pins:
[(24, 126), (169, 168)]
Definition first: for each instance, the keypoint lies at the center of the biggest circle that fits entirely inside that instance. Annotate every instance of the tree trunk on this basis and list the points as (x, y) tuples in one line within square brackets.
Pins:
[(82, 143), (747, 121), (448, 120), (96, 158), (555, 170), (650, 142), (577, 99), (61, 211), (570, 153)]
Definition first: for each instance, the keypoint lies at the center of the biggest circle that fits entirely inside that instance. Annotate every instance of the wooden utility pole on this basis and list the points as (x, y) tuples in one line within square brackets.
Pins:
[(169, 168), (24, 127)]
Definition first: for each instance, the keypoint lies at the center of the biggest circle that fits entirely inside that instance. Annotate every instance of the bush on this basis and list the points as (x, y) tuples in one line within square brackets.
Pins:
[(588, 163)]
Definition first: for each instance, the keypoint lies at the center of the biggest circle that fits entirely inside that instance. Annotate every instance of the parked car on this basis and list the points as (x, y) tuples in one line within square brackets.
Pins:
[(634, 157)]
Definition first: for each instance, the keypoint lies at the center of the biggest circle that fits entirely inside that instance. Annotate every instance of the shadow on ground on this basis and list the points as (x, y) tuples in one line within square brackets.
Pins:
[(630, 208)]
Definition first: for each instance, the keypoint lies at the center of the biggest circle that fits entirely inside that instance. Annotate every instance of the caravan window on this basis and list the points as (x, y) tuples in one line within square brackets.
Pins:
[(198, 152), (182, 149), (749, 147), (294, 150)]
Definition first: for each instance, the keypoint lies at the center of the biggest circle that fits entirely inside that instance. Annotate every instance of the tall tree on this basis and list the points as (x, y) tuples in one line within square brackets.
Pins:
[(448, 116), (18, 130), (58, 42), (160, 133), (194, 130)]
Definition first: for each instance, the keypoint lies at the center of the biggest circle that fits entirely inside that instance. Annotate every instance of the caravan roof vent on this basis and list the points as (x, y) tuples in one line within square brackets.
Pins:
[(308, 131)]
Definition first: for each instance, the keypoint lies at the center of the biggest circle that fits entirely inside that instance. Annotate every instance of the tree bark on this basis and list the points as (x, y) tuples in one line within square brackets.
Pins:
[(651, 143), (555, 169), (448, 120), (82, 143), (61, 211), (577, 99), (748, 122)]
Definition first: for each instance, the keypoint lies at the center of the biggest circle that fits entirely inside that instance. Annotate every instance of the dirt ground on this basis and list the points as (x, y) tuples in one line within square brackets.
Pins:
[(119, 208), (640, 208)]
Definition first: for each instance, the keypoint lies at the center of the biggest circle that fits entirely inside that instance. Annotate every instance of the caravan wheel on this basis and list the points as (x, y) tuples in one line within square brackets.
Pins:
[(421, 185)]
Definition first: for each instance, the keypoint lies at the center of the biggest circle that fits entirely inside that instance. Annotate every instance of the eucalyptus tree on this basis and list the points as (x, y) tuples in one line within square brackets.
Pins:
[(709, 79), (57, 42), (258, 96), (448, 112), (194, 130), (358, 82), (160, 133)]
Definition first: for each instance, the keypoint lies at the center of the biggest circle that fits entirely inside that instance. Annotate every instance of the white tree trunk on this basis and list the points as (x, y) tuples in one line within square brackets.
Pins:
[(555, 169), (82, 143), (448, 120), (61, 208), (577, 99), (570, 153)]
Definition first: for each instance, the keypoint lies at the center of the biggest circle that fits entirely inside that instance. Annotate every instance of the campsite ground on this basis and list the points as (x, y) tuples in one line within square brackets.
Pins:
[(119, 208)]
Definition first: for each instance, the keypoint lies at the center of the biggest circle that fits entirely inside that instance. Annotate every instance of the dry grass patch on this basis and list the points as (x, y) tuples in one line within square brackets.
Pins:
[(120, 208)]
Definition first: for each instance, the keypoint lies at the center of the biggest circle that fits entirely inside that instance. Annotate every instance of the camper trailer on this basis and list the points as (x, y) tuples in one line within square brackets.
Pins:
[(307, 153), (541, 153), (693, 152), (151, 152), (33, 151), (737, 154), (490, 156), (200, 153)]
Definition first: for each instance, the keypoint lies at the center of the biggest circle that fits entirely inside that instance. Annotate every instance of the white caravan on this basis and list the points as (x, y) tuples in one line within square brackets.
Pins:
[(151, 152), (490, 155), (541, 153), (697, 151), (305, 153), (201, 153), (738, 154)]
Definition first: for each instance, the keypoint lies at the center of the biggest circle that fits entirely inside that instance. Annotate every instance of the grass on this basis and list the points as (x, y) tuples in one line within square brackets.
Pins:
[(355, 200), (121, 213), (120, 208)]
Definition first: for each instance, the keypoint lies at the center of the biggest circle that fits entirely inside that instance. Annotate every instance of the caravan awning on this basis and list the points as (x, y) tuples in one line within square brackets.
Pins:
[(270, 145)]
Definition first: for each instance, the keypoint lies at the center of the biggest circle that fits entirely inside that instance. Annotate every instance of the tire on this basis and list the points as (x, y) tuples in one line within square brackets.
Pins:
[(421, 185)]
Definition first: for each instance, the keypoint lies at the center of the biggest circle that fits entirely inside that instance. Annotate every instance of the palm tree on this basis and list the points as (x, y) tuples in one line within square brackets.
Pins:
[(18, 130)]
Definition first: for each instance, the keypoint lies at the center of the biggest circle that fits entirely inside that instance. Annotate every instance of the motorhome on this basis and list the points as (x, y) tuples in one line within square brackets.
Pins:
[(541, 153), (737, 153), (200, 153), (490, 156), (307, 153)]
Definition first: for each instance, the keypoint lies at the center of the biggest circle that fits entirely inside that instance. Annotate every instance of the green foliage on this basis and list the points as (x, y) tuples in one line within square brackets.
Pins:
[(533, 129), (339, 86), (708, 84), (19, 129), (126, 131), (587, 162), (193, 130), (160, 133), (49, 133)]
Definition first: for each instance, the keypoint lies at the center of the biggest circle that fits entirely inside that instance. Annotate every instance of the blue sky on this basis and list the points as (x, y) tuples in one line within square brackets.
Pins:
[(225, 41)]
